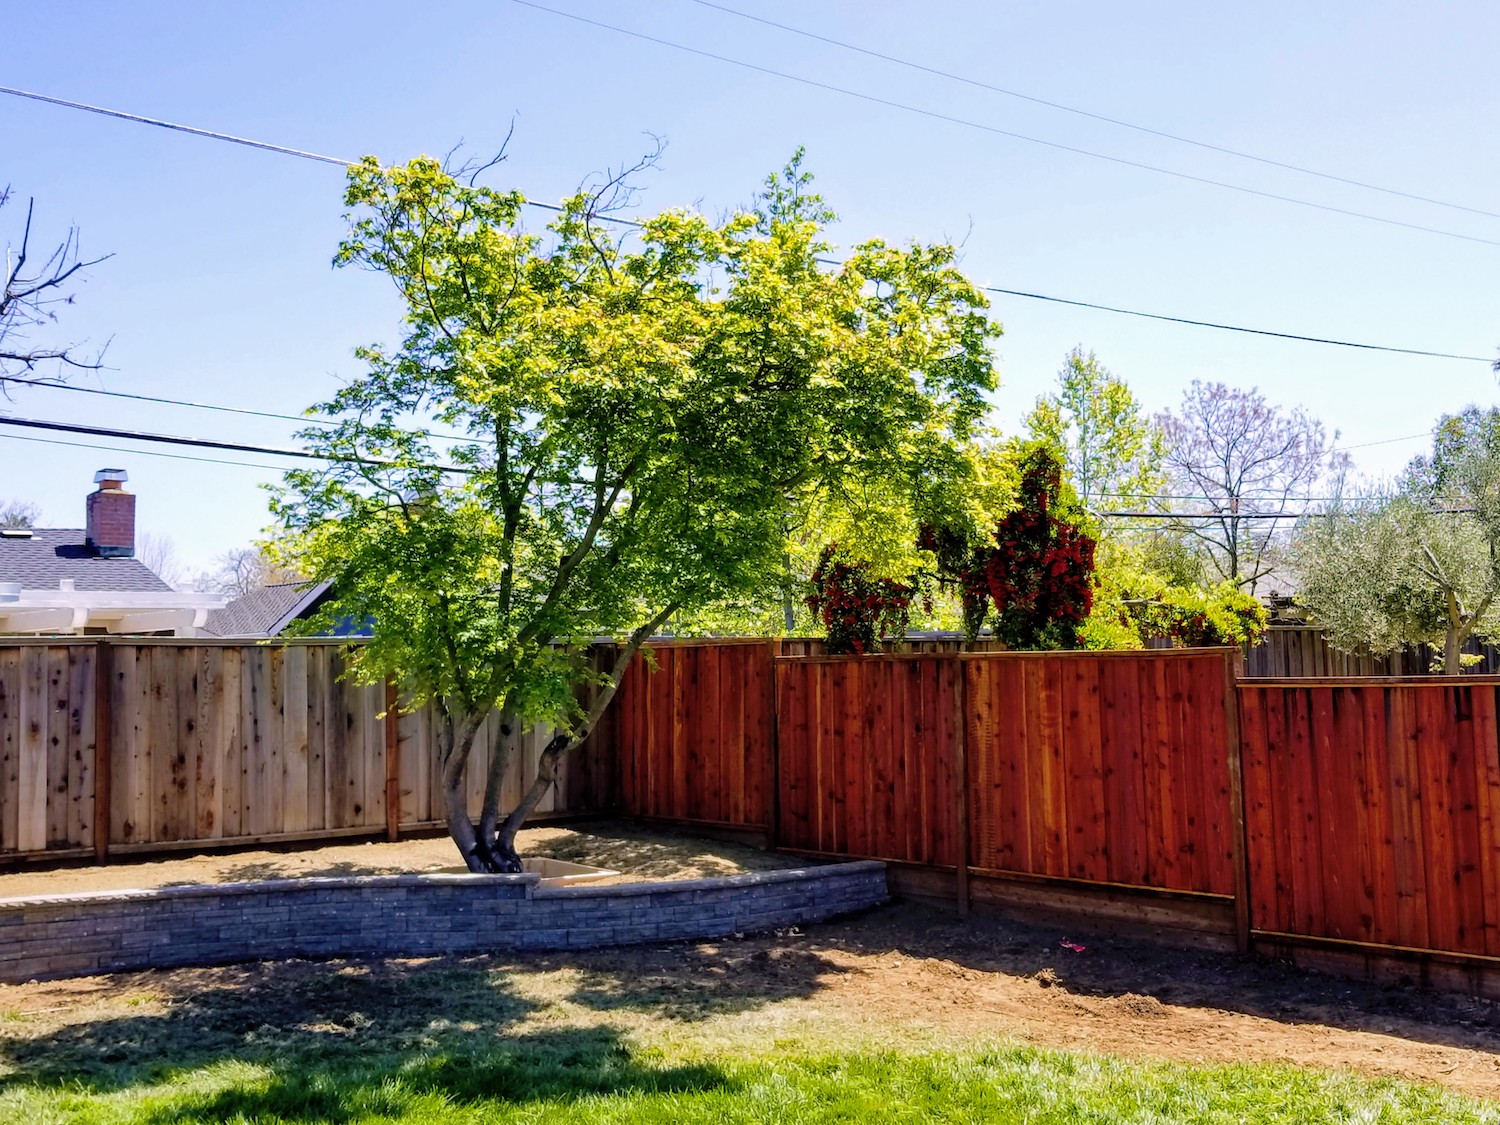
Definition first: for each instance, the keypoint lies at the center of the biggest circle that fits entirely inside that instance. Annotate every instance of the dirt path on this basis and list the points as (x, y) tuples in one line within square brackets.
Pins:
[(903, 976), (636, 852)]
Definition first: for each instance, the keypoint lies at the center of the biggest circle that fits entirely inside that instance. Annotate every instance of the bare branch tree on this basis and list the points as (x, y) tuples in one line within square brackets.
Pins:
[(29, 301), (243, 571), (15, 514), (1249, 465), (159, 555)]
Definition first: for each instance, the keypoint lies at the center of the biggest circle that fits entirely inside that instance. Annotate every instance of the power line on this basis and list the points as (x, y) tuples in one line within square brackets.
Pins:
[(981, 85), (213, 135), (1229, 327), (140, 452), (996, 130), (50, 385), (209, 443), (246, 141)]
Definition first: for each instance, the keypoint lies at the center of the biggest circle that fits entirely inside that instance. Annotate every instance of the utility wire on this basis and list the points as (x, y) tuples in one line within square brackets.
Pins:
[(996, 130), (209, 443), (1230, 327), (1179, 138), (212, 135), (246, 141), (50, 385), (141, 452)]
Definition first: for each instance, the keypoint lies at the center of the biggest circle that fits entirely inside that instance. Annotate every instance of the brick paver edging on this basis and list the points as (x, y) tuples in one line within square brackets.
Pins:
[(405, 915)]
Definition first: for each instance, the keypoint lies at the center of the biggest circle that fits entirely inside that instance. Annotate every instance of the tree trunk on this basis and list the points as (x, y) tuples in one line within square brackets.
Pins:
[(456, 733), (503, 844), (502, 753), (1452, 648)]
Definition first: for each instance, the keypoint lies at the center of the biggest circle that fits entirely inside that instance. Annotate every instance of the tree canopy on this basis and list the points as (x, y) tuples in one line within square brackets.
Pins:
[(635, 412), (1248, 466), (1110, 449), (1419, 563)]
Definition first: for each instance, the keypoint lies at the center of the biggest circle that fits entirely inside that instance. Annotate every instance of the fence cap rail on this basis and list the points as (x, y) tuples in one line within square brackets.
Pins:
[(1075, 654)]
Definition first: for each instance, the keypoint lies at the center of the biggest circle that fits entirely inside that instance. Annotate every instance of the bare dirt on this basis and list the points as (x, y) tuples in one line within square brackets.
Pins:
[(636, 852), (905, 977)]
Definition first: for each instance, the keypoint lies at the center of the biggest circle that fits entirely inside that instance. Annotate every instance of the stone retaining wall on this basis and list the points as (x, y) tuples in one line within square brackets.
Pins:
[(405, 915)]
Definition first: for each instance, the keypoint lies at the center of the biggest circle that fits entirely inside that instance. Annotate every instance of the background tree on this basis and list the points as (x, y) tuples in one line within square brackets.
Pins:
[(1110, 449), (243, 570), (640, 407), (1250, 466), (159, 554), (1418, 564), (36, 285), (16, 514)]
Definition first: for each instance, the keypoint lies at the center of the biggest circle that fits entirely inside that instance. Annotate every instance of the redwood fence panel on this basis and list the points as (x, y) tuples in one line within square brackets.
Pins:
[(692, 730), (1102, 767), (1373, 812), (866, 757)]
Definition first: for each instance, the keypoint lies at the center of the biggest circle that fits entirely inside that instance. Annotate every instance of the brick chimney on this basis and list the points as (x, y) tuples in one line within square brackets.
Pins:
[(111, 516)]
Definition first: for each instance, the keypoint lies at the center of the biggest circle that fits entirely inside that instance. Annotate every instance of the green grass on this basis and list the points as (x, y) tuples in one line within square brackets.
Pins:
[(591, 1076)]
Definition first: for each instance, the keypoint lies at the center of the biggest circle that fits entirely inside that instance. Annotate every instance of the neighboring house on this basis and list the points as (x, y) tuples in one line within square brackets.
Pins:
[(87, 580), (272, 610)]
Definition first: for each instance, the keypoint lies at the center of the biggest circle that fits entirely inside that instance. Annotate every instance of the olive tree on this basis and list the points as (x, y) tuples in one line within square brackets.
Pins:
[(1416, 564), (633, 409)]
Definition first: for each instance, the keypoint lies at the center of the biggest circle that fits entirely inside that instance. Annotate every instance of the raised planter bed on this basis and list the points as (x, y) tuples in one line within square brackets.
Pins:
[(407, 916)]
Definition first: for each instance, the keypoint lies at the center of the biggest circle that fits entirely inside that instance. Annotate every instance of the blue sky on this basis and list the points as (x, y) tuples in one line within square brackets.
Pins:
[(220, 289)]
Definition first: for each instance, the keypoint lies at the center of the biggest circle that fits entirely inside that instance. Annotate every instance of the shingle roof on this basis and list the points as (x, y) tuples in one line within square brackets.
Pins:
[(52, 554), (264, 612)]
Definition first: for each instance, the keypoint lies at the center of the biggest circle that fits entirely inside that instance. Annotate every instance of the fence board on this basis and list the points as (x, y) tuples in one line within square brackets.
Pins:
[(692, 729), (1372, 812), (1047, 801)]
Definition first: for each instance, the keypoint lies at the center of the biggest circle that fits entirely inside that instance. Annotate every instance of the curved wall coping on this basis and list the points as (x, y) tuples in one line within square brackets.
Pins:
[(419, 915)]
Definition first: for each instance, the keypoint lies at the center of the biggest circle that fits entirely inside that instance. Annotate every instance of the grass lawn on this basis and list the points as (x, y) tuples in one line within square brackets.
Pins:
[(583, 1078), (484, 1041)]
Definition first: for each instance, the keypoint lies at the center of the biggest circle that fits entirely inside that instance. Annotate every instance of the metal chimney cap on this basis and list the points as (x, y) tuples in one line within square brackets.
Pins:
[(110, 474)]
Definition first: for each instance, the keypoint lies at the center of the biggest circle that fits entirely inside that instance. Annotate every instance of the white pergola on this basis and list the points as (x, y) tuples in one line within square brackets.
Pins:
[(66, 610)]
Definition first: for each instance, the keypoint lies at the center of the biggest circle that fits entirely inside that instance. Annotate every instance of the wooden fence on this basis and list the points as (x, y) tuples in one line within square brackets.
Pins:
[(133, 745), (691, 730), (1373, 813), (1298, 816), (1360, 816), (1302, 652)]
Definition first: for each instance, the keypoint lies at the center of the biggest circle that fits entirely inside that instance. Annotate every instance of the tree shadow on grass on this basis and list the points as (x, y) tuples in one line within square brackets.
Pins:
[(557, 1066), (342, 1040)]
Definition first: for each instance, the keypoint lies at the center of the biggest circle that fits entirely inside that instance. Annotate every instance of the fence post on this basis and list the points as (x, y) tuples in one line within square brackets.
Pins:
[(392, 764), (961, 780), (103, 720), (1234, 756), (773, 781)]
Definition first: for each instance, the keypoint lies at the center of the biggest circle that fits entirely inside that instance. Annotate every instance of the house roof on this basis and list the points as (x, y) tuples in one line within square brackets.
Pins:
[(265, 612), (51, 555)]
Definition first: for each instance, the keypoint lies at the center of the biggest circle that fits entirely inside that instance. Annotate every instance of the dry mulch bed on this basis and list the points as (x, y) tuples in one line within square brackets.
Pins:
[(638, 853)]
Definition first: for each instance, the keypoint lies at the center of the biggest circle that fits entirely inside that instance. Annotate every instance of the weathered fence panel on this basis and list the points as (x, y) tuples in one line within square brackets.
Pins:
[(866, 757), (1373, 812), (1103, 767), (691, 728), (46, 748), (215, 742), (1302, 652)]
